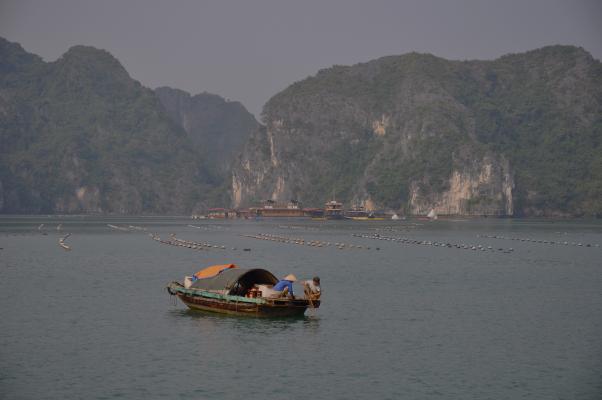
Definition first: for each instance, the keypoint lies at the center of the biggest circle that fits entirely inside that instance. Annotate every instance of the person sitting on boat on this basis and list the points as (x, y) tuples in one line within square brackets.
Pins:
[(312, 288), (285, 285)]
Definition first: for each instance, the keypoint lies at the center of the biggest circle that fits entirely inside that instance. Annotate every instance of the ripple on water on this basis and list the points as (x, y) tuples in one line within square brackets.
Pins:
[(407, 321)]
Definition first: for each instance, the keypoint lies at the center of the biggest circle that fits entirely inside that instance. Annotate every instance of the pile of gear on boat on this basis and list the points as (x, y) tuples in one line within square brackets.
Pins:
[(282, 289)]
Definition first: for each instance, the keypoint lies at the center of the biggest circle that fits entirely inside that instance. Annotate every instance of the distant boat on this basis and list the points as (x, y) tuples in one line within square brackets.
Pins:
[(432, 215), (368, 218), (359, 213), (232, 290), (271, 208), (315, 213), (333, 210)]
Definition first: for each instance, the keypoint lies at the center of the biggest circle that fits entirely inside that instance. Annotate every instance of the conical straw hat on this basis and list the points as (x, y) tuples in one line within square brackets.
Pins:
[(290, 277)]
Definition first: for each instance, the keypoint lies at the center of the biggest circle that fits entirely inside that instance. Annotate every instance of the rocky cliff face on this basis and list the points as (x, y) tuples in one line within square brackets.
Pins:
[(217, 127), (520, 135), (416, 132), (483, 187)]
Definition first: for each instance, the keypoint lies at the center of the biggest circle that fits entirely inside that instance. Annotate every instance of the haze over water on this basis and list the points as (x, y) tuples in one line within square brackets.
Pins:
[(405, 321)]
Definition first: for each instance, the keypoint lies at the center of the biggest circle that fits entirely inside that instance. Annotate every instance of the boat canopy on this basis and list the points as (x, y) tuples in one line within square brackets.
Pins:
[(236, 281), (213, 270)]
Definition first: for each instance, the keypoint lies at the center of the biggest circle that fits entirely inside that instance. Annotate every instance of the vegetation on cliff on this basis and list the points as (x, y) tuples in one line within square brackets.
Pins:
[(396, 130), (518, 135), (79, 135), (217, 128)]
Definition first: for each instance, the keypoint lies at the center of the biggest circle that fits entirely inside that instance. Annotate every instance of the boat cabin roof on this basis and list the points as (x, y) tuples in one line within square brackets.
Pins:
[(236, 280), (210, 272)]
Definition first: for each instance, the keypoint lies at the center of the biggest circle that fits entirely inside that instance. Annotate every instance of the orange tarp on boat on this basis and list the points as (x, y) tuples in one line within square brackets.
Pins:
[(213, 270)]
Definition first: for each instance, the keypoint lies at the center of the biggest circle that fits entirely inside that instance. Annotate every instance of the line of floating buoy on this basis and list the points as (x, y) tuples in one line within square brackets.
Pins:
[(303, 242), (301, 227), (118, 228), (63, 244), (208, 227), (188, 243), (41, 230), (174, 241), (397, 229), (539, 241), (129, 228), (463, 246)]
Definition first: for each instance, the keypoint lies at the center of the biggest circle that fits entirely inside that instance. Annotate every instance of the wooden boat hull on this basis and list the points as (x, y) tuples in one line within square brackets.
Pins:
[(235, 305)]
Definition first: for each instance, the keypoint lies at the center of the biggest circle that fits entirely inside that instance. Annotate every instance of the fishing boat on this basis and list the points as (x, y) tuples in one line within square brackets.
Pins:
[(232, 290), (359, 213), (271, 208), (315, 213), (369, 217), (333, 210)]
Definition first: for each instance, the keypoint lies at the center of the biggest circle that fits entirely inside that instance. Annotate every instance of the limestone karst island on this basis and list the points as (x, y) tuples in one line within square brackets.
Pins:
[(407, 135)]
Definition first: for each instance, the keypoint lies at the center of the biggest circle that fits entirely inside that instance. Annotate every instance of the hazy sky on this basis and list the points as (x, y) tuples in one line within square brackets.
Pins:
[(249, 50)]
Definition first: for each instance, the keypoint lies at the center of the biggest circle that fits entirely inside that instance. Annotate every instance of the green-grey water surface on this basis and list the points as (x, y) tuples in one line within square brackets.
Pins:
[(520, 320)]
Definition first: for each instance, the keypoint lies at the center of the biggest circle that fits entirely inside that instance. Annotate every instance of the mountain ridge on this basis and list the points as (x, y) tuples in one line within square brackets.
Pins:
[(518, 135), (217, 127), (421, 132), (79, 135)]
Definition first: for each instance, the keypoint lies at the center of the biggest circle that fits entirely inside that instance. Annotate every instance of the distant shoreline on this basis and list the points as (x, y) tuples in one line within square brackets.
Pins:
[(442, 218)]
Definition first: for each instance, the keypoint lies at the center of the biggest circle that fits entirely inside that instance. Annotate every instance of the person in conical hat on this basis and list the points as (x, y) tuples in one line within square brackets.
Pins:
[(285, 286), (312, 288)]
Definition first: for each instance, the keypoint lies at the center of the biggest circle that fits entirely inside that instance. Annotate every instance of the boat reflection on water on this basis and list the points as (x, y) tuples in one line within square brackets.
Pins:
[(209, 322)]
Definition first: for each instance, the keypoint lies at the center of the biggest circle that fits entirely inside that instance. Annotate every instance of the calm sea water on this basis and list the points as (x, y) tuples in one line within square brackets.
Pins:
[(405, 320)]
